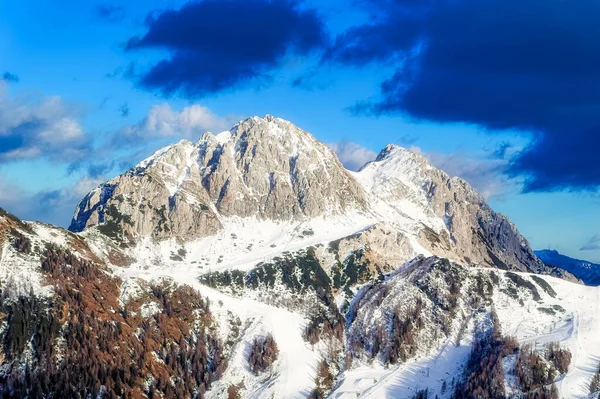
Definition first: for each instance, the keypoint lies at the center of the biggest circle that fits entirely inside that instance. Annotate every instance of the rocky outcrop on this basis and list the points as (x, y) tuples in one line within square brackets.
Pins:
[(265, 168), (381, 245), (269, 169), (161, 197), (471, 231)]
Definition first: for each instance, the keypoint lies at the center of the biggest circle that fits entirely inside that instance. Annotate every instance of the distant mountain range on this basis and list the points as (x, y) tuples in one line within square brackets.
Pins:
[(586, 271)]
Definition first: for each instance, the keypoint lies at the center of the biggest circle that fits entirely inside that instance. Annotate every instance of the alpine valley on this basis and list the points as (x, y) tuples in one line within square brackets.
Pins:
[(252, 264)]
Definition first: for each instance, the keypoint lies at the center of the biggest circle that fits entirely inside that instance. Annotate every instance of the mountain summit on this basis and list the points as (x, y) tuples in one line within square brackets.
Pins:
[(265, 168), (269, 170)]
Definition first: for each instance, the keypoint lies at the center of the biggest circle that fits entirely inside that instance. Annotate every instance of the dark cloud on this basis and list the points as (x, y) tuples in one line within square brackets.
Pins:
[(220, 44), (11, 143), (592, 244), (93, 169), (97, 170), (10, 77), (109, 13), (501, 150), (529, 66), (407, 140)]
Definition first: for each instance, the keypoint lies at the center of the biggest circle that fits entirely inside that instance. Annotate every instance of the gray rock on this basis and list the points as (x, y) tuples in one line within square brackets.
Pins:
[(473, 233), (265, 168), (269, 169)]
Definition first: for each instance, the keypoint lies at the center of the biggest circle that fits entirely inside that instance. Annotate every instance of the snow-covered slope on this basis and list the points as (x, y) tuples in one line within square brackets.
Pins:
[(377, 283), (21, 245), (586, 271), (536, 310)]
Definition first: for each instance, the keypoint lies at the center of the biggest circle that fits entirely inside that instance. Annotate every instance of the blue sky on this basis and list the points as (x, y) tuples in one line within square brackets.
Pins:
[(501, 93)]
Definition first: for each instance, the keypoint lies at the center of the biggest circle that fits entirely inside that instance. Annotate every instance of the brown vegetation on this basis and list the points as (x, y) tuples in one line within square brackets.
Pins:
[(85, 343), (233, 392), (328, 323), (21, 243), (533, 370), (401, 339), (323, 381), (484, 372), (263, 353), (560, 358)]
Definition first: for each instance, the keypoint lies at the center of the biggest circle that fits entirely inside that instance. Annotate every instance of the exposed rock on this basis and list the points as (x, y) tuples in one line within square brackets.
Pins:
[(382, 244), (472, 232), (263, 167), (269, 169)]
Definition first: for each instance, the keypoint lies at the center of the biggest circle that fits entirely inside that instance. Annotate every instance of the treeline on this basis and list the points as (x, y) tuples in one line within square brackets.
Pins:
[(324, 321), (595, 382), (484, 376), (323, 381), (433, 295), (83, 343), (394, 340)]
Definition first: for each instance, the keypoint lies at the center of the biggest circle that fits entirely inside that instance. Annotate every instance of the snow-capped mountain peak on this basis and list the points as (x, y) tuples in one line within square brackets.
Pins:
[(267, 170), (263, 167)]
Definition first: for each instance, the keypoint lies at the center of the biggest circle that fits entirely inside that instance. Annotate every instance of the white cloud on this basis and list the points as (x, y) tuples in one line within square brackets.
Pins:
[(9, 191), (162, 121), (32, 127), (353, 156), (483, 172), (48, 206), (84, 185)]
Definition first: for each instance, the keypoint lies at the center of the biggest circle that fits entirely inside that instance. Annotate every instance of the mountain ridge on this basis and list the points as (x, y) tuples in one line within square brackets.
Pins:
[(241, 173), (268, 169), (586, 271)]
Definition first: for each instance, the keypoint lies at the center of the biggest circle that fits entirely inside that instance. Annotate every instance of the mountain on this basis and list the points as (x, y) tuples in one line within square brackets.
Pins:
[(265, 168), (251, 264), (456, 221), (587, 272), (268, 175)]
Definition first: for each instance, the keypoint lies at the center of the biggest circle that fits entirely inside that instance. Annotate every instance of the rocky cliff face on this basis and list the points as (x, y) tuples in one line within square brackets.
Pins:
[(269, 169), (471, 233), (265, 168)]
